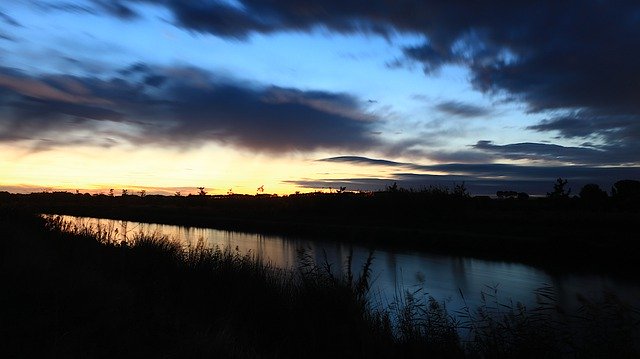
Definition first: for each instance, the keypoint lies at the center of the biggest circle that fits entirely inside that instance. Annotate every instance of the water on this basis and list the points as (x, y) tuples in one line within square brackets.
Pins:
[(394, 272)]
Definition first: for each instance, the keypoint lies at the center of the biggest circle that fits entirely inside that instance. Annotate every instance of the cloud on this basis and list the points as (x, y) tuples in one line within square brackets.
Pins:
[(574, 62), (577, 55), (620, 129), (461, 109), (116, 8), (460, 156), (6, 37), (181, 106), (37, 89), (497, 170), (481, 179), (239, 19), (589, 155), (361, 161), (9, 20)]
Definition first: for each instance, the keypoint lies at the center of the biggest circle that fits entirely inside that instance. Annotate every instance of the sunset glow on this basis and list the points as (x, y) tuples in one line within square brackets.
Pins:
[(168, 96)]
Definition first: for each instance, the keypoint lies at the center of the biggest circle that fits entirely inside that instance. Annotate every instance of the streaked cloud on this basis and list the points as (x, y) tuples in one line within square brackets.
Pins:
[(568, 56), (9, 20), (481, 179), (461, 109), (550, 153), (182, 107)]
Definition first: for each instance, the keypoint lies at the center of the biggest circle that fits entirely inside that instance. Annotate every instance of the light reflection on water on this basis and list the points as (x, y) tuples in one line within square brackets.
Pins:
[(394, 272)]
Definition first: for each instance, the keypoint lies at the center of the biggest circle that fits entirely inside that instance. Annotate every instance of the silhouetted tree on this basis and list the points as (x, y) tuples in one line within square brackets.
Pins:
[(111, 192), (460, 190), (177, 194), (592, 193), (201, 191), (626, 189), (143, 193), (523, 196), (125, 192), (559, 190)]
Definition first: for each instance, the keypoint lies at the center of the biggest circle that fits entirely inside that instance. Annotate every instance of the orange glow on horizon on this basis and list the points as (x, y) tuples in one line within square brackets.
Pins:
[(166, 170)]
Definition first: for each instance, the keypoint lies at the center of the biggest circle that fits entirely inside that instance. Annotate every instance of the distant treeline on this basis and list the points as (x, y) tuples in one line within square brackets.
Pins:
[(624, 194), (627, 189)]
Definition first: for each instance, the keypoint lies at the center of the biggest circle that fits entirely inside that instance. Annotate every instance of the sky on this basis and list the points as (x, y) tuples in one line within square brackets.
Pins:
[(236, 95)]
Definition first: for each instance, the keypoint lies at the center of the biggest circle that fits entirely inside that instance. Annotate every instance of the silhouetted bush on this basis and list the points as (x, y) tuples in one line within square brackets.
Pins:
[(626, 194), (626, 189), (507, 194), (591, 193)]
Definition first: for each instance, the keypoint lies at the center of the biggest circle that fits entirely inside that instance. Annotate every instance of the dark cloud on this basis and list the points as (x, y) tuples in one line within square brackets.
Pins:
[(574, 61), (239, 20), (545, 152), (361, 161), (570, 126), (269, 118), (9, 20), (577, 55), (461, 109), (481, 179), (6, 37), (460, 156), (181, 107), (621, 129), (499, 170), (66, 6), (116, 8), (155, 80)]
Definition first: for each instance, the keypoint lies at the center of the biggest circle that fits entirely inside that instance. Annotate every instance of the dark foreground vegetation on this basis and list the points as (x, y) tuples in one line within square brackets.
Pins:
[(70, 292), (591, 231)]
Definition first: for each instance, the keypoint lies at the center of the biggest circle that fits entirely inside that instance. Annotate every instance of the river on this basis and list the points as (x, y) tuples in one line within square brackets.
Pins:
[(444, 277)]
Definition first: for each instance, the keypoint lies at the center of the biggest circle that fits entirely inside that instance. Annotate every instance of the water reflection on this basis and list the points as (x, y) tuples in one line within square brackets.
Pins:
[(393, 272)]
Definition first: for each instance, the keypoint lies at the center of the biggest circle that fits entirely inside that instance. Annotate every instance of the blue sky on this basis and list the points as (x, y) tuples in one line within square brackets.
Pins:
[(305, 95)]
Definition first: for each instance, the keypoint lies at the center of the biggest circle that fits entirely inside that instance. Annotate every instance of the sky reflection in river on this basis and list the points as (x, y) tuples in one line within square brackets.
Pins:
[(395, 272)]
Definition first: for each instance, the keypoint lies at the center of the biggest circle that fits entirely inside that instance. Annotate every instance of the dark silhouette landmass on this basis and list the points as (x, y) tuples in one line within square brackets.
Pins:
[(592, 231)]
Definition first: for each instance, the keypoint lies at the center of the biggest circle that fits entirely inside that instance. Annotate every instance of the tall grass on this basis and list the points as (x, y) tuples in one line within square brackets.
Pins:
[(81, 291)]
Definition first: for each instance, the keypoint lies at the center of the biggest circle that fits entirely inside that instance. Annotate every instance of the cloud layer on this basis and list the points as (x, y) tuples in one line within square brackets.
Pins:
[(573, 63), (574, 60), (180, 106), (480, 179)]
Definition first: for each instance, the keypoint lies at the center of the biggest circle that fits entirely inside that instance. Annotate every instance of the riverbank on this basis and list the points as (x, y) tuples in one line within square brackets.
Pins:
[(555, 235), (73, 293)]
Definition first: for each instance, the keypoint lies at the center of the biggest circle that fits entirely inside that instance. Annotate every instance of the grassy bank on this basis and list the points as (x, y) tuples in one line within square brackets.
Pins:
[(570, 232), (76, 293)]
